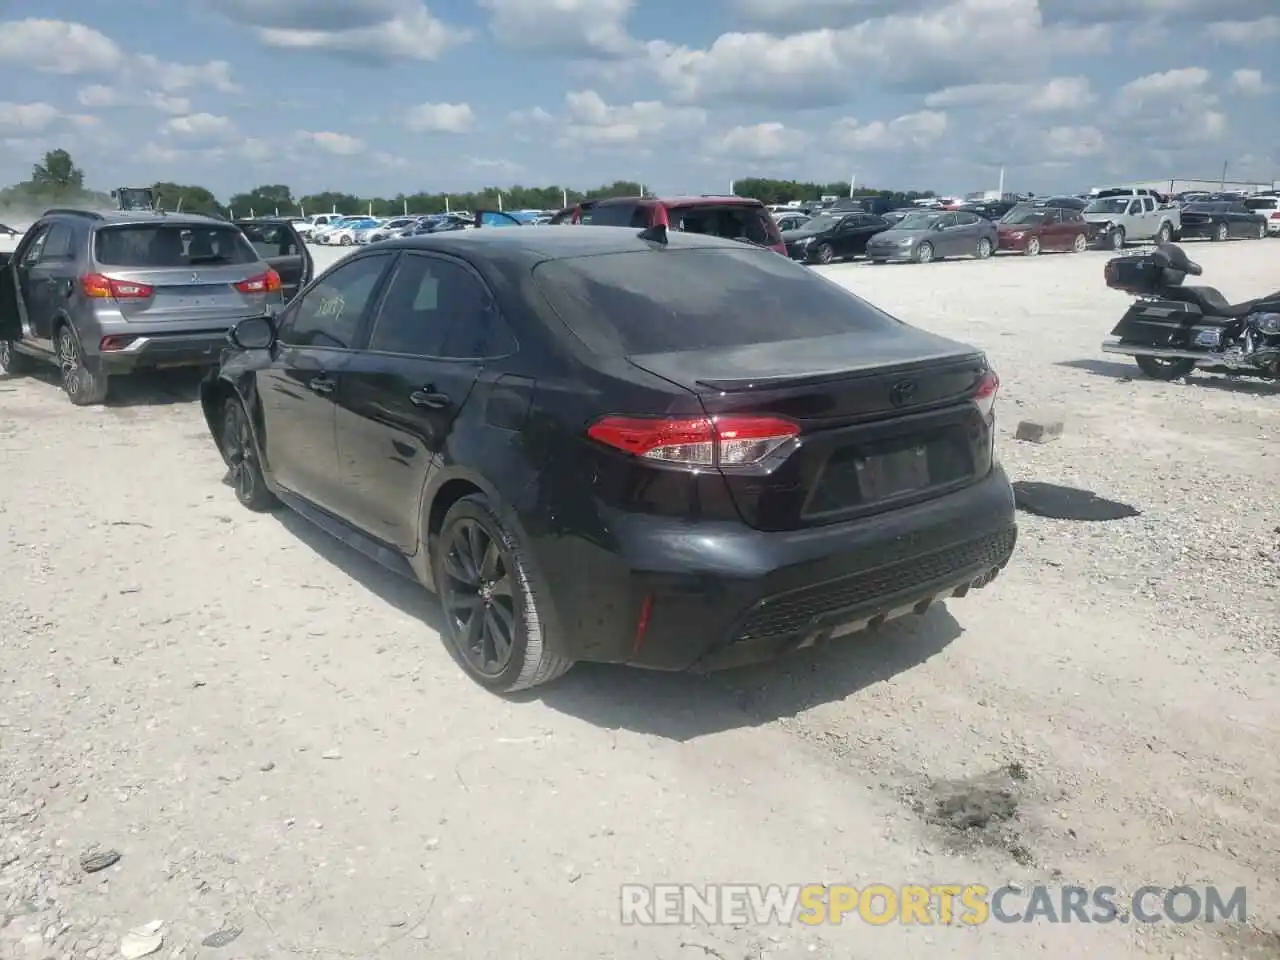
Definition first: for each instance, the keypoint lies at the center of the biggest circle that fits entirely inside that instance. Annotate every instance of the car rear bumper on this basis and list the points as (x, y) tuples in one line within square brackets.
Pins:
[(164, 350), (673, 595)]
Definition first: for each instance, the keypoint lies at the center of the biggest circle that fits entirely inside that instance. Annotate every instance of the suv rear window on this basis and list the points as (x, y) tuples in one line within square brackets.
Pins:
[(627, 304), (171, 245), (731, 221), (1262, 203)]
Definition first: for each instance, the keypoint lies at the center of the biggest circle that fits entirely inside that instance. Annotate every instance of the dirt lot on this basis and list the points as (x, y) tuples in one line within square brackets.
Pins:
[(261, 724)]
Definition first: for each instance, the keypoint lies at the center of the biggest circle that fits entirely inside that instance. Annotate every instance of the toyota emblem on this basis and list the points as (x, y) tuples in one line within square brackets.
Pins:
[(902, 392)]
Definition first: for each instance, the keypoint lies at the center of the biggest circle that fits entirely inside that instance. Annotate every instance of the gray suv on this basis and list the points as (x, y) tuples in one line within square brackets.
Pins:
[(103, 294)]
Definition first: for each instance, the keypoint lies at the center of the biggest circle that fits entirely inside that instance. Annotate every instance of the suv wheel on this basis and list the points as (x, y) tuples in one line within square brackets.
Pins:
[(83, 386), (13, 363), (493, 624)]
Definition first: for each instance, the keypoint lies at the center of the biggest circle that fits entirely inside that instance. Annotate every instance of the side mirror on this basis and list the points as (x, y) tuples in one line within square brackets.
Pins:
[(255, 333)]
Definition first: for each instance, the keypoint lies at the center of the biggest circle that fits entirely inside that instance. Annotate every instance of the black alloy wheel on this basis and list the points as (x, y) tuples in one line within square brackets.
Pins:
[(240, 451), (479, 596), (13, 363), (83, 387)]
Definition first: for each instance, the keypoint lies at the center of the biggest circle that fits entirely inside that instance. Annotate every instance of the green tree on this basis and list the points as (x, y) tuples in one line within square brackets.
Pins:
[(58, 171), (188, 199)]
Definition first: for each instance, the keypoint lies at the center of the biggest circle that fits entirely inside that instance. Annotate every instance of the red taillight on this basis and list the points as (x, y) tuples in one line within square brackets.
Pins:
[(98, 287), (699, 441), (1275, 215), (268, 282), (985, 394)]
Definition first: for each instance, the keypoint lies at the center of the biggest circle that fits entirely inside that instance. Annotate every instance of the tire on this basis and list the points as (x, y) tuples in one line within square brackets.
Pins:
[(1117, 238), (823, 254), (1164, 234), (13, 363), (480, 571), (1079, 244), (344, 242), (240, 451), (1262, 231), (1158, 369), (1033, 247), (924, 253), (984, 249), (84, 386), (1220, 232)]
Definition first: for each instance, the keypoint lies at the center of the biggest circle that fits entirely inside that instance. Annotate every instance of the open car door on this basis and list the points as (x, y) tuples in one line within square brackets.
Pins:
[(282, 248), (495, 218), (10, 323)]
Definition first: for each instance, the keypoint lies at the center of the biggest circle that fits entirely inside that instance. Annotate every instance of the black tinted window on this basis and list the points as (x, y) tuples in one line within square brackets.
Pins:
[(270, 239), (147, 245), (736, 222), (635, 303), (328, 315), (57, 246), (608, 214), (433, 308)]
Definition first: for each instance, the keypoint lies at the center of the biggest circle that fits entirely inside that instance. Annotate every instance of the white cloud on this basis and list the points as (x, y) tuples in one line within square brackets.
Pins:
[(27, 118), (952, 44), (912, 130), (1057, 94), (1075, 142), (176, 77), (99, 96), (440, 118), (1249, 82), (570, 28), (204, 128), (58, 46), (1262, 30), (762, 141), (339, 144), (372, 30), (1174, 106), (589, 119)]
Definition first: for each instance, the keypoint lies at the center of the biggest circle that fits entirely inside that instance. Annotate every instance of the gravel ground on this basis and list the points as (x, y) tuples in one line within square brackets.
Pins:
[(283, 755)]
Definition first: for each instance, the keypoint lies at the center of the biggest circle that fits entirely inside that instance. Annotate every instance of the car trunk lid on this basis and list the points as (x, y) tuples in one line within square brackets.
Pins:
[(883, 422)]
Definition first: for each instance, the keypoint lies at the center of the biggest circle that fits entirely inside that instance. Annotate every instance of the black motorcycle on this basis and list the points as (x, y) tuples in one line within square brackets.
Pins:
[(1171, 330)]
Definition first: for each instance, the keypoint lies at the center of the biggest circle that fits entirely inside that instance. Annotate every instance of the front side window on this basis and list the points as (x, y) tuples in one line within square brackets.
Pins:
[(329, 314)]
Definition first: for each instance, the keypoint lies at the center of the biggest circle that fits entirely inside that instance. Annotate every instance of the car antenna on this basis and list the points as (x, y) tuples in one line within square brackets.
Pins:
[(657, 231)]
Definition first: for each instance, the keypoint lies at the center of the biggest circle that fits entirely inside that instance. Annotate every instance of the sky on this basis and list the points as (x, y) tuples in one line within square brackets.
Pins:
[(380, 97)]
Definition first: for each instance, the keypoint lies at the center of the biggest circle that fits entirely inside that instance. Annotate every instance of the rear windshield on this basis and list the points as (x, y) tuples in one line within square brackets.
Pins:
[(733, 222), (1262, 203), (627, 304), (149, 245)]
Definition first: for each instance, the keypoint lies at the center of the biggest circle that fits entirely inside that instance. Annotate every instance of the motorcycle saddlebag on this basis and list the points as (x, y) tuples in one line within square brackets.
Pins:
[(1137, 274), (1158, 323)]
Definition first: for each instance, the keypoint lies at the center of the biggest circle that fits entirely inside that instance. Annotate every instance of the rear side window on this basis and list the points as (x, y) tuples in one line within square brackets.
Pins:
[(626, 304), (608, 214), (171, 245), (1261, 203), (270, 239), (731, 221)]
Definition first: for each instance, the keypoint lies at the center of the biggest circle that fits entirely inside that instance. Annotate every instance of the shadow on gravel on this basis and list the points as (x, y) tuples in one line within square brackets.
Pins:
[(686, 706), (680, 706), (1128, 371), (152, 388), (407, 596)]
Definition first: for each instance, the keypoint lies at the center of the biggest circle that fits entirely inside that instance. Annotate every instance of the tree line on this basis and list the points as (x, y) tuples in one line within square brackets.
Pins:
[(57, 180)]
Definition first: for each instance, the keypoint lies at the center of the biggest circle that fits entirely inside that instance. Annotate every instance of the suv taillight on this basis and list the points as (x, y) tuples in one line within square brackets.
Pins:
[(268, 282), (985, 394), (697, 441), (97, 287)]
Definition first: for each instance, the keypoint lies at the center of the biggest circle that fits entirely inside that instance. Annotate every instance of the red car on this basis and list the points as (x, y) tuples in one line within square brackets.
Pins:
[(734, 218), (1029, 230)]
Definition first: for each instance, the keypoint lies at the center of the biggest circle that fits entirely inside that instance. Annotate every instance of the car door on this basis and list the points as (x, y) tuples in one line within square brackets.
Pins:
[(282, 249), (298, 388), (844, 238), (27, 290), (1052, 235), (402, 393), (959, 235), (50, 281)]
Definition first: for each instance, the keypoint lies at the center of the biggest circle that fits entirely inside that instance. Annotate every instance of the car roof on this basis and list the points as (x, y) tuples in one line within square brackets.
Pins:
[(533, 244), (681, 201), (123, 217)]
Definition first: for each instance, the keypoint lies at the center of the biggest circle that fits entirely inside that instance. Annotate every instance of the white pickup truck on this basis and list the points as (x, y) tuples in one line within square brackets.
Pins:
[(1116, 218)]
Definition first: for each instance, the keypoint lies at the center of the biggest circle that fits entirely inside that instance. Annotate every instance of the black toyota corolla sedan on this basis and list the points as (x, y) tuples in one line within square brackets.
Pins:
[(661, 449)]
